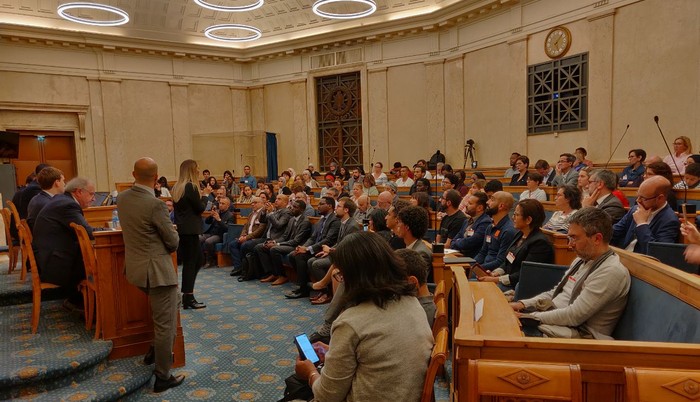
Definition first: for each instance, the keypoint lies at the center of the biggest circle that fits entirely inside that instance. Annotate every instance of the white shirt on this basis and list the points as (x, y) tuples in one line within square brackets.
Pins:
[(404, 183)]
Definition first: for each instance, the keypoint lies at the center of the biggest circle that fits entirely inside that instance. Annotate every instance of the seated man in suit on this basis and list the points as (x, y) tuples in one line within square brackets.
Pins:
[(318, 265), (566, 174), (325, 233), (278, 216), (253, 229), (470, 237), (218, 223), (271, 252), (542, 167), (55, 242), (592, 295), (652, 219), (52, 182), (601, 184)]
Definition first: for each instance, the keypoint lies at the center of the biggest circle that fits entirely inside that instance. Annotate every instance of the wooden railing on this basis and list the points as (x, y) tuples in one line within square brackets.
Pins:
[(602, 362)]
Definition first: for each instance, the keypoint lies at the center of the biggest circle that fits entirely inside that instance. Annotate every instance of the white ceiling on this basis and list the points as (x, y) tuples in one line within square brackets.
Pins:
[(282, 22)]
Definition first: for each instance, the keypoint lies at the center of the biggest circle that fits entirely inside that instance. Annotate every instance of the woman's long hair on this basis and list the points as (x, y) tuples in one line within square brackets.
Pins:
[(188, 174), (371, 271)]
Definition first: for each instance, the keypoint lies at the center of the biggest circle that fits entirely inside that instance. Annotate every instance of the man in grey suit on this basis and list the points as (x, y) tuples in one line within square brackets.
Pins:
[(601, 184), (149, 239)]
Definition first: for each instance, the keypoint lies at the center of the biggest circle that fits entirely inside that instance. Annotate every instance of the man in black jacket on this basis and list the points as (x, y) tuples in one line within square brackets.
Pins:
[(218, 220), (325, 234), (55, 242)]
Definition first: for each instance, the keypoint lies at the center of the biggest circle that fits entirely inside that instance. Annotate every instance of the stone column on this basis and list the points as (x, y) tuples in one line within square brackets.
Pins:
[(182, 133), (377, 115)]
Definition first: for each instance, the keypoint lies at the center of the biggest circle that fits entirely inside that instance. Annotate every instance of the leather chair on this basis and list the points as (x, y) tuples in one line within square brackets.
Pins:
[(536, 277)]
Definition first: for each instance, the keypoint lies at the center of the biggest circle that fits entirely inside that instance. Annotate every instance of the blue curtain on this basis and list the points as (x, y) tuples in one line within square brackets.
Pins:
[(271, 142)]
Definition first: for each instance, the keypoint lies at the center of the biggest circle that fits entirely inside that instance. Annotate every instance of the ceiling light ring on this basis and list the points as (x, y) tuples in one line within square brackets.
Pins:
[(320, 3), (63, 8), (235, 9), (256, 33)]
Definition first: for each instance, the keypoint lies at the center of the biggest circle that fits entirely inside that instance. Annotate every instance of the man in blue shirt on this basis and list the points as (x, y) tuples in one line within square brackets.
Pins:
[(248, 179), (471, 236), (499, 234)]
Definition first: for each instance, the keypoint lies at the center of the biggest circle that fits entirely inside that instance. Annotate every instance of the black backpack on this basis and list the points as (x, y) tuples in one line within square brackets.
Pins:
[(250, 268), (437, 157)]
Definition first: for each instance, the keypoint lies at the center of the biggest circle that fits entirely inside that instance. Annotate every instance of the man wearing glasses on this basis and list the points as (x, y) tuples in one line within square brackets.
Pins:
[(652, 219), (591, 297), (56, 244), (566, 174), (600, 187)]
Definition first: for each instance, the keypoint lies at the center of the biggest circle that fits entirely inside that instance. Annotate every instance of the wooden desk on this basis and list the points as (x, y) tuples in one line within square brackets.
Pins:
[(563, 255), (602, 362), (126, 315), (99, 216)]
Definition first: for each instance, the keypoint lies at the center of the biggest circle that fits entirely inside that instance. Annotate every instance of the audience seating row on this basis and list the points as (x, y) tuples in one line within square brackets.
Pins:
[(659, 330)]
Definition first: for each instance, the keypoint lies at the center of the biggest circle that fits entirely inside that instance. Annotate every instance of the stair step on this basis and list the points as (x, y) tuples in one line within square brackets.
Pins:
[(13, 291), (111, 381), (61, 350)]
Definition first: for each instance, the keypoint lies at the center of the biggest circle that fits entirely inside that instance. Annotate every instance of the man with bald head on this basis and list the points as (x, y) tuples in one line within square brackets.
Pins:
[(499, 234), (384, 200), (652, 219), (364, 209), (149, 239)]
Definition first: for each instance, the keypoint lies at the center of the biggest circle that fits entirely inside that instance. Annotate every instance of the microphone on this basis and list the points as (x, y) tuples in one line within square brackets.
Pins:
[(371, 160), (685, 195), (618, 144)]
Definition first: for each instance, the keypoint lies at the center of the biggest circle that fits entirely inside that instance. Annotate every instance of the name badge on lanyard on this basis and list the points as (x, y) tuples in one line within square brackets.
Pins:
[(470, 232), (510, 257), (488, 238)]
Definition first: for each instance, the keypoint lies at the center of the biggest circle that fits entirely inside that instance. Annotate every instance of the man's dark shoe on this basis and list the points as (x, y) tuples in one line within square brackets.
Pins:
[(297, 294), (236, 272), (150, 356), (164, 385), (316, 337)]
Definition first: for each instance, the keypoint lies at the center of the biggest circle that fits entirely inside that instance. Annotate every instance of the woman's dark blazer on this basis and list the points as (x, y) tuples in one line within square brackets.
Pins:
[(522, 182), (536, 248), (188, 211)]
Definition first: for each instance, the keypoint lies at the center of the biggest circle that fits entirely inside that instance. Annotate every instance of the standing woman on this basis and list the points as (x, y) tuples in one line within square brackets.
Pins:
[(190, 202)]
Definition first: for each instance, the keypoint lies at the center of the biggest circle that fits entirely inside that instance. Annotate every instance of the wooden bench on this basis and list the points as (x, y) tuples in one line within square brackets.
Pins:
[(674, 294)]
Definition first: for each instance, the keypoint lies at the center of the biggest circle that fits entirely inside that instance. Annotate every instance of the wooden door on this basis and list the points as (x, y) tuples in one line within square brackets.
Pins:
[(55, 148)]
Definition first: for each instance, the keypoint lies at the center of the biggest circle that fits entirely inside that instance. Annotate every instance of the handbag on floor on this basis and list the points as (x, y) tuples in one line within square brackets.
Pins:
[(296, 390), (250, 268)]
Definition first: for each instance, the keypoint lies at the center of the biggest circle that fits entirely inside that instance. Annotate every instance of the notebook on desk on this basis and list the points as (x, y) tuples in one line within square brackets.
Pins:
[(459, 260)]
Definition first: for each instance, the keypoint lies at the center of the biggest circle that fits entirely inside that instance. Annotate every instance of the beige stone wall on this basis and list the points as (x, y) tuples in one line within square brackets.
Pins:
[(428, 91)]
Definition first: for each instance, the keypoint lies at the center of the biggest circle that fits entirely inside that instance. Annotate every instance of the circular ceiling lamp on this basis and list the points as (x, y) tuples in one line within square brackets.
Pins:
[(211, 33), (366, 7), (249, 7), (63, 9)]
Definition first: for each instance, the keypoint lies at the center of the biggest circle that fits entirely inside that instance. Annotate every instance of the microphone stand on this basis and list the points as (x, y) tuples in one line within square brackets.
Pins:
[(687, 208)]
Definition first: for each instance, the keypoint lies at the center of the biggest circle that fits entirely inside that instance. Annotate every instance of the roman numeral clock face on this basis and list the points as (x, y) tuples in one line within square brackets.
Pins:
[(557, 42)]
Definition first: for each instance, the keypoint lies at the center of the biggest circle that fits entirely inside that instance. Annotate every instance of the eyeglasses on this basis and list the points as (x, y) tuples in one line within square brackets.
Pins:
[(646, 198)]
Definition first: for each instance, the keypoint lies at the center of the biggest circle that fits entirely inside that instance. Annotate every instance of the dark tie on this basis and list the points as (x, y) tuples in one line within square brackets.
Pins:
[(319, 235)]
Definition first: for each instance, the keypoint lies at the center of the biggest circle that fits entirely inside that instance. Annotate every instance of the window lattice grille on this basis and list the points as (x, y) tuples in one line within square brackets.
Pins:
[(558, 95), (339, 115)]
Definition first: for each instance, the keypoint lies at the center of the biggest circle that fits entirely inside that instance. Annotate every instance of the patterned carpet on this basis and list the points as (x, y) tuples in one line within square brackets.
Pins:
[(240, 347)]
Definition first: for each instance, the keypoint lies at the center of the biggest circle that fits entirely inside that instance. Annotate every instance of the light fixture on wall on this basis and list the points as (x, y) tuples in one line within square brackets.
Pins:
[(369, 7), (210, 32), (248, 7), (63, 9)]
